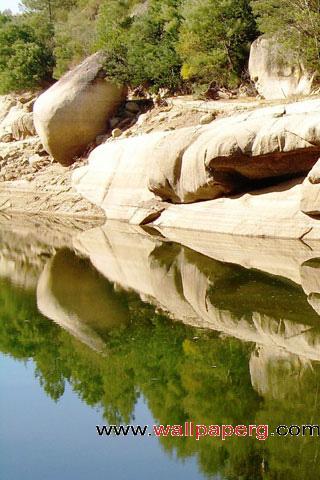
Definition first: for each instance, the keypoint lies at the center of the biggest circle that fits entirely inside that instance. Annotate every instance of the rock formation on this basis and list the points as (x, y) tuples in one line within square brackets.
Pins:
[(70, 114), (203, 292), (274, 74), (149, 176), (64, 290), (310, 195), (16, 121)]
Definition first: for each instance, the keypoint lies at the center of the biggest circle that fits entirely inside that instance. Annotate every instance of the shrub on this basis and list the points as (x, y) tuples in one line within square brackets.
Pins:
[(25, 61), (214, 40)]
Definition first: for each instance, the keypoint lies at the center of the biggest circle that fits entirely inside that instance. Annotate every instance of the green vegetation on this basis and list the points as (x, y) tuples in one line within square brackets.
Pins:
[(185, 374), (179, 45), (26, 60), (215, 39), (296, 25)]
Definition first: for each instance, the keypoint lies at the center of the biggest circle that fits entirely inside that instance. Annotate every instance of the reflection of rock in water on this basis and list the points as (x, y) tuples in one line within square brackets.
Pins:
[(272, 312), (203, 292), (277, 374), (310, 275), (27, 242), (79, 299)]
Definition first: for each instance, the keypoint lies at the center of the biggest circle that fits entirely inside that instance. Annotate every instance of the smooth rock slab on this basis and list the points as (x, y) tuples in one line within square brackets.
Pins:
[(204, 163)]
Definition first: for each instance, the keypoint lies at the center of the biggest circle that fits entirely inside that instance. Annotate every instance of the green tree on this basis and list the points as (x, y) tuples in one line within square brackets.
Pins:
[(214, 40), (50, 9), (25, 60), (140, 43), (76, 35), (295, 25)]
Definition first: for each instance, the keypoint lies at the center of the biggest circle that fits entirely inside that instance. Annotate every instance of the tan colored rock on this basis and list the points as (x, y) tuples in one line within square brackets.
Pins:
[(276, 76), (271, 212), (310, 195), (63, 290), (23, 127), (12, 118), (208, 118), (74, 111), (207, 162), (6, 103), (116, 133)]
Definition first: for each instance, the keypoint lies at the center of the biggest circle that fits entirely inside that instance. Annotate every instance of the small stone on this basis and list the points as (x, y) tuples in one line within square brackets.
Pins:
[(35, 159), (7, 138), (116, 133), (132, 107), (207, 118)]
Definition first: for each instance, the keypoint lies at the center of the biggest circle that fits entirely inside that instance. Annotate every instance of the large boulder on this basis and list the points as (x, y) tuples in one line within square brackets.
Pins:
[(71, 113), (200, 163), (274, 75)]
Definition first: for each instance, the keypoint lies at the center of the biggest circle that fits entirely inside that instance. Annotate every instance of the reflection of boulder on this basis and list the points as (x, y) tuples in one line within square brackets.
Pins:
[(277, 256), (310, 276), (26, 243), (278, 374), (75, 296), (203, 292)]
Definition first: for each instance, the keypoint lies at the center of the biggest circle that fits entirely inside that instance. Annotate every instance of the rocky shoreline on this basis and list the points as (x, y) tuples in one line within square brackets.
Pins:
[(253, 173), (239, 166), (33, 182)]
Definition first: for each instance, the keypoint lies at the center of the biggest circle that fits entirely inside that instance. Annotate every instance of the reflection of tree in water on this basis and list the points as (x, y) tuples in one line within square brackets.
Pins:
[(184, 374)]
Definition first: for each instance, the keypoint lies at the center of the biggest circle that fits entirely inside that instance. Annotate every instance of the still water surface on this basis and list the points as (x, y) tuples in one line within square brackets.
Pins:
[(123, 328)]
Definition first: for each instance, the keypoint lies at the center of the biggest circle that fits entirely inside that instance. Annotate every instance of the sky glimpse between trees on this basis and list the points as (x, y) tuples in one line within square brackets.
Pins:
[(12, 5)]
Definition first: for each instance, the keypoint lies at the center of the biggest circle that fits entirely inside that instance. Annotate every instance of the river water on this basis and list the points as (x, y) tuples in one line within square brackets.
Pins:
[(121, 326)]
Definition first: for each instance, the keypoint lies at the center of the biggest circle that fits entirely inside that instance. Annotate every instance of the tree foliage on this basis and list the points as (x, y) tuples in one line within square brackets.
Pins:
[(25, 59), (156, 43), (215, 39), (140, 42), (296, 26)]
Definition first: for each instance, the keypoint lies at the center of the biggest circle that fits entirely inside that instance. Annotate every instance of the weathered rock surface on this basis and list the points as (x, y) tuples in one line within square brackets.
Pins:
[(64, 287), (203, 292), (271, 212), (207, 162), (310, 195), (70, 114), (276, 76), (16, 122)]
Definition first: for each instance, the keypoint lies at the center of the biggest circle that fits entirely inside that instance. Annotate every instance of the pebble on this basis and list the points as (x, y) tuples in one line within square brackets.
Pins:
[(116, 133), (207, 118)]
